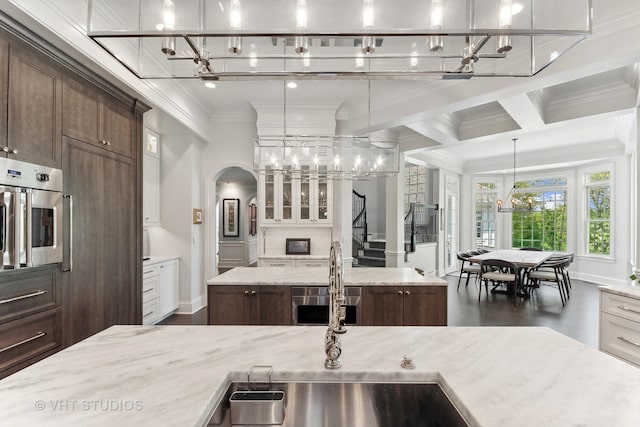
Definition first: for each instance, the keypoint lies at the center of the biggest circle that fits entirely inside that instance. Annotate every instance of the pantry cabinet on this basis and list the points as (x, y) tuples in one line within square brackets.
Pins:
[(31, 117), (95, 117)]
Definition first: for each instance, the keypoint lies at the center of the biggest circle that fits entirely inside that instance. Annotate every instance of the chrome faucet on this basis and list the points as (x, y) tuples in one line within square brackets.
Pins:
[(337, 308)]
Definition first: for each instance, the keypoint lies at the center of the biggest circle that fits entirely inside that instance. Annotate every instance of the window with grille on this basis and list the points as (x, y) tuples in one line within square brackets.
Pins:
[(598, 208), (485, 209)]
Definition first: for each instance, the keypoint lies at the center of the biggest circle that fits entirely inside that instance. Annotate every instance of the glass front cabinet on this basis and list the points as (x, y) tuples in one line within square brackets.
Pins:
[(295, 196)]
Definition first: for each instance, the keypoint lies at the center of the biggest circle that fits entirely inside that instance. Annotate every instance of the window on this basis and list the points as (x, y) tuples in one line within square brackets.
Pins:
[(485, 196), (598, 218), (414, 185), (545, 227)]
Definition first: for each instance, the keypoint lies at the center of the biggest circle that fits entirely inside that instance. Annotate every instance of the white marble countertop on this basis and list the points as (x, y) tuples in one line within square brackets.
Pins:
[(174, 375), (319, 276), (627, 291), (159, 259)]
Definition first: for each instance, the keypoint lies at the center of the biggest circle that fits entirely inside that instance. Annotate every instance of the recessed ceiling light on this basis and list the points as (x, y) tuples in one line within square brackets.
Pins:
[(516, 8), (210, 85), (292, 85), (160, 27)]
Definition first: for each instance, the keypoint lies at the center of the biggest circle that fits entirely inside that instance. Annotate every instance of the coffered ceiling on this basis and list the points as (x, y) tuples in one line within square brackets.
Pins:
[(582, 107)]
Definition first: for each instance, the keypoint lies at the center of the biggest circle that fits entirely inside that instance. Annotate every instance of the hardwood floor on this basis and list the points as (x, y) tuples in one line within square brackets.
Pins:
[(578, 319)]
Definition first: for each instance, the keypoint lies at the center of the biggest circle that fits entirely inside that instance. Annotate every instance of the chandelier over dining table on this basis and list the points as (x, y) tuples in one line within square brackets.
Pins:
[(337, 39)]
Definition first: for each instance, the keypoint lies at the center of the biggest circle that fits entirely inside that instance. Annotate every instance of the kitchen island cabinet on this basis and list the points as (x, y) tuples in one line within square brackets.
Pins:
[(404, 306), (242, 305), (391, 296), (175, 375)]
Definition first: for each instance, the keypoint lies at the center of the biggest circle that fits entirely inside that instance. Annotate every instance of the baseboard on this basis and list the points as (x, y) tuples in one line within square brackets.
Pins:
[(191, 307)]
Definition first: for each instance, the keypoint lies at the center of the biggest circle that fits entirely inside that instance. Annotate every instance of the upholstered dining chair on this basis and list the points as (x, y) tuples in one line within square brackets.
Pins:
[(553, 271), (498, 272), (466, 267)]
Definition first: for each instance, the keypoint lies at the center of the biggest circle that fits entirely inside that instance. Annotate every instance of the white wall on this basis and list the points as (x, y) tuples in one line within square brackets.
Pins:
[(231, 144), (180, 192)]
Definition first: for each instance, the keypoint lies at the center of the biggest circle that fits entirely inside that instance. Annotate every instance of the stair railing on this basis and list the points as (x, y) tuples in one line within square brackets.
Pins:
[(359, 224)]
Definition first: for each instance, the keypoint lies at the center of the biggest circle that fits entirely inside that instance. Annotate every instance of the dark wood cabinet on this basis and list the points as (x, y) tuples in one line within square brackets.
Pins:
[(34, 108), (30, 317), (404, 305), (95, 117), (4, 89), (255, 305), (97, 292)]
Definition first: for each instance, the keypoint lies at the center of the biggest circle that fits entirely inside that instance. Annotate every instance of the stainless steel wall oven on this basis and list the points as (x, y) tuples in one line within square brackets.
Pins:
[(310, 305), (31, 203)]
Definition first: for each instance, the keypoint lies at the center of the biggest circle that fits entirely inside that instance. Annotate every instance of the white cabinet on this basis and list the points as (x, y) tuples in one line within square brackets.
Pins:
[(160, 287), (150, 295), (295, 197), (620, 324), (151, 178), (169, 281)]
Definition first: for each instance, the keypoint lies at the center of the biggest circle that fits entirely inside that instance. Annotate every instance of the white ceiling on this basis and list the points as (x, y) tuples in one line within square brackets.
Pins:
[(582, 107)]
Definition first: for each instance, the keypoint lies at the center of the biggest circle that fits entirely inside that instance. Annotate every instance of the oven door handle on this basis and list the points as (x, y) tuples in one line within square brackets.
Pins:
[(28, 244), (14, 227), (69, 266)]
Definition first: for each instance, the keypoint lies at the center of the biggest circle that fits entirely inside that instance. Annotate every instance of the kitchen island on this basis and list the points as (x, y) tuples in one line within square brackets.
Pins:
[(385, 296), (175, 375)]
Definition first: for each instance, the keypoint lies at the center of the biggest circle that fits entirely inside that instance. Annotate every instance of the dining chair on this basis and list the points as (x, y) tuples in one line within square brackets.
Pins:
[(552, 271), (498, 272), (466, 267)]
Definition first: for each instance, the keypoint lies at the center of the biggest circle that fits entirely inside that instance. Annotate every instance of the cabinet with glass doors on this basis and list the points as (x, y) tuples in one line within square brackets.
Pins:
[(301, 196)]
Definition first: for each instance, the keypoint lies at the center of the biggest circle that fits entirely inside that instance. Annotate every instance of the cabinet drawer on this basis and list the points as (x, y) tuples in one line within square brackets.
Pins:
[(279, 263), (150, 287), (312, 263), (619, 305), (26, 295), (28, 337), (150, 311), (620, 337)]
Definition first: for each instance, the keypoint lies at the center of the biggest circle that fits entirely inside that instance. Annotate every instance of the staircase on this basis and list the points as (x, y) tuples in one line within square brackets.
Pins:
[(372, 255)]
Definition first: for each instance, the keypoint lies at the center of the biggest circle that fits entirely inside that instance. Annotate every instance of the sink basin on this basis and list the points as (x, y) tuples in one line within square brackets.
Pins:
[(339, 404)]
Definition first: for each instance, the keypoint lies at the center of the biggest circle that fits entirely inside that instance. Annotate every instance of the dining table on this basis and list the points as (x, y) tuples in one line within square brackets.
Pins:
[(524, 261)]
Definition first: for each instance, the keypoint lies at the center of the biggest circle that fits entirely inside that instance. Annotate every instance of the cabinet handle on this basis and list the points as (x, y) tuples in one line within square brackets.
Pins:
[(407, 293), (253, 292), (5, 149), (108, 142), (399, 292), (35, 337), (69, 268), (623, 339), (622, 307), (25, 296), (246, 293)]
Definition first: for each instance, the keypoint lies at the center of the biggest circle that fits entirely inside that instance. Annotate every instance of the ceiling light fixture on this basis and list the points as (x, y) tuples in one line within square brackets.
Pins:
[(517, 202), (292, 85), (210, 85), (343, 156), (324, 40)]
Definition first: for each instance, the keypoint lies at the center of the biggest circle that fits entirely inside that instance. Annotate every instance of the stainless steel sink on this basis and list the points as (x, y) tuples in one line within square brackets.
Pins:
[(342, 404)]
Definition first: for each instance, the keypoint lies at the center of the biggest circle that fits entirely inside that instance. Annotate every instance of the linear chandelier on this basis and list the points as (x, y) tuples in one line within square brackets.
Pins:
[(517, 202), (340, 156), (330, 39)]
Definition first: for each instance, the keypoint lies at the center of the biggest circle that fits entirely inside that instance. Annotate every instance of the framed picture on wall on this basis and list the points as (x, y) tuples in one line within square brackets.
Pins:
[(230, 217)]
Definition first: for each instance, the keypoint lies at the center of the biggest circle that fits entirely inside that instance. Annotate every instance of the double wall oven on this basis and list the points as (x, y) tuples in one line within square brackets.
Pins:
[(310, 305), (31, 203)]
